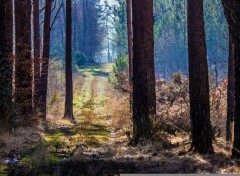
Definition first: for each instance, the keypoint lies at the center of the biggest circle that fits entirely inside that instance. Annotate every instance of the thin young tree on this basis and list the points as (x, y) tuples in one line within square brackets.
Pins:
[(144, 95), (69, 82), (23, 61), (230, 91), (45, 59), (36, 50), (6, 69), (198, 80)]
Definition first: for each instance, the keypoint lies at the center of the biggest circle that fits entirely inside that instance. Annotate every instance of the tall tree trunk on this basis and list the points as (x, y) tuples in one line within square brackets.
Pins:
[(36, 45), (75, 27), (130, 38), (69, 82), (230, 93), (6, 58), (232, 11), (236, 142), (198, 80), (23, 62), (45, 58), (144, 95), (84, 27)]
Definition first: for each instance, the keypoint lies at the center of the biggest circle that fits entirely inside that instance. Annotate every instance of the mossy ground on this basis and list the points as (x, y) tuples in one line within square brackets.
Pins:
[(65, 139)]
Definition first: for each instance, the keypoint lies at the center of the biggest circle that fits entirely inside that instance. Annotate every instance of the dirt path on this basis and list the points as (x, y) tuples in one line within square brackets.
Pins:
[(97, 144)]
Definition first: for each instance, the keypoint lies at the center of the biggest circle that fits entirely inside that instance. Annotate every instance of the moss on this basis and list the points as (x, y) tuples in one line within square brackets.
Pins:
[(3, 170), (53, 158)]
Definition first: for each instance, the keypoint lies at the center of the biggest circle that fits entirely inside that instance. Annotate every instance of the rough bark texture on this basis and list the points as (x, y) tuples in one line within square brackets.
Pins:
[(198, 80), (6, 69), (231, 92), (232, 11), (144, 95), (23, 62), (236, 142), (45, 59), (36, 49), (130, 38), (69, 82)]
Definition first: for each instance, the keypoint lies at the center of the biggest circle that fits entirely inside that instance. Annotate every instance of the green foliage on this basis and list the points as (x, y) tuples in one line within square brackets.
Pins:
[(119, 67), (80, 59)]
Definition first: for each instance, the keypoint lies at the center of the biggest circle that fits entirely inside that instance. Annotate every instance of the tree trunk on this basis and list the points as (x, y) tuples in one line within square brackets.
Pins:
[(232, 11), (23, 62), (236, 142), (130, 38), (144, 95), (45, 59), (69, 82), (198, 80), (36, 45), (6, 58), (230, 93), (75, 27)]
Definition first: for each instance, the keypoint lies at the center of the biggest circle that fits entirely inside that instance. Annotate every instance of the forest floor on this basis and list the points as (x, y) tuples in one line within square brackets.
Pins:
[(96, 143)]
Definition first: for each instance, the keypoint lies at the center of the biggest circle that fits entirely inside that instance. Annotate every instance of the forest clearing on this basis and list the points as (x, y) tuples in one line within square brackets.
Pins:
[(111, 87)]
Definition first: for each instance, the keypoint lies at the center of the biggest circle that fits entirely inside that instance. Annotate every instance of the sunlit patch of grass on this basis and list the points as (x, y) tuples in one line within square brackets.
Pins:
[(3, 170)]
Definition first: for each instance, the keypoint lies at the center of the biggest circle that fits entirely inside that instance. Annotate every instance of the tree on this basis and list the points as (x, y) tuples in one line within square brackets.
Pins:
[(232, 9), (36, 50), (230, 91), (144, 95), (23, 62), (130, 38), (6, 69), (45, 59), (198, 80), (69, 82)]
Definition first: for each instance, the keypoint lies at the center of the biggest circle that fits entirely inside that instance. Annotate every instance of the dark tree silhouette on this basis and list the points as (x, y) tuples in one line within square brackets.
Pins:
[(69, 81), (198, 80), (23, 62), (230, 92), (36, 49), (130, 38), (144, 95), (6, 69), (232, 11), (45, 59)]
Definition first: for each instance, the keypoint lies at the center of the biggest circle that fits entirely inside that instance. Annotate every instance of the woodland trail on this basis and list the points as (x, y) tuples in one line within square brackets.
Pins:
[(97, 144)]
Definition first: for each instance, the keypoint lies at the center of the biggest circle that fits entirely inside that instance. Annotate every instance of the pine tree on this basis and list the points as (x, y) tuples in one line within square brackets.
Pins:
[(36, 49), (23, 61), (230, 93), (69, 81), (198, 80), (144, 95), (6, 69), (45, 59)]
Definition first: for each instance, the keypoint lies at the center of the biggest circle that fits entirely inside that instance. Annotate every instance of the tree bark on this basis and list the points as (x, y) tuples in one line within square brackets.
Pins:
[(232, 11), (23, 62), (236, 142), (6, 62), (198, 80), (37, 60), (45, 59), (231, 92), (69, 82), (144, 95), (130, 38)]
